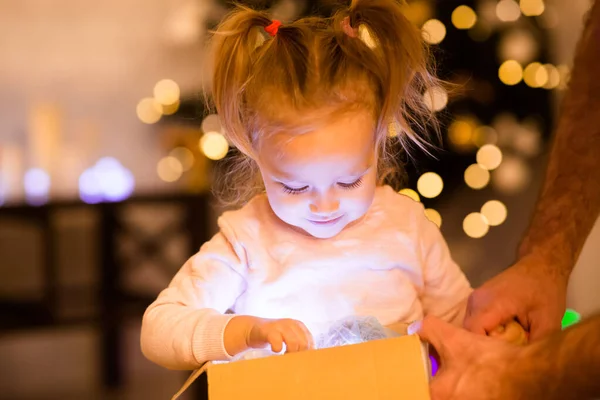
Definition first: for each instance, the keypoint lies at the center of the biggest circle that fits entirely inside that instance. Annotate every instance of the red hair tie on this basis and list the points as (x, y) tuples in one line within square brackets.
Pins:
[(273, 27)]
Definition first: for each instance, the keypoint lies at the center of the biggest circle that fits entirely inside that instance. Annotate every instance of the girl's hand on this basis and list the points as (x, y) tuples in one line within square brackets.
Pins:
[(275, 332)]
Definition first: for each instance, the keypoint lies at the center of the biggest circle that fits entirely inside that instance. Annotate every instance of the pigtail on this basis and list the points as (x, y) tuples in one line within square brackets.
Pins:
[(376, 35), (235, 46)]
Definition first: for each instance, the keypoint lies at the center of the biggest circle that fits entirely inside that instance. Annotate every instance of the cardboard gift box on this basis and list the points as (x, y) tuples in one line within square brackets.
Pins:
[(395, 368)]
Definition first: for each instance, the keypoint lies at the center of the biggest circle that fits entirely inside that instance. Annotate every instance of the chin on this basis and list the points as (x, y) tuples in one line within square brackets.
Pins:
[(324, 233)]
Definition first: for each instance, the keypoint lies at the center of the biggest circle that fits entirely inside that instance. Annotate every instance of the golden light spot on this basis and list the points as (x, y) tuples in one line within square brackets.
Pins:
[(166, 92), (532, 8), (184, 156), (430, 185), (475, 225), (460, 133), (171, 108), (214, 145), (149, 110), (211, 123), (434, 216), (169, 169), (535, 75), (495, 212), (489, 157), (484, 135), (512, 176), (463, 17), (433, 31), (476, 177), (365, 35), (417, 11), (510, 72), (508, 10), (435, 98), (553, 77), (410, 193)]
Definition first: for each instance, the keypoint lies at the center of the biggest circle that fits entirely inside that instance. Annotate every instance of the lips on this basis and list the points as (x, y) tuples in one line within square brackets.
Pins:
[(327, 221)]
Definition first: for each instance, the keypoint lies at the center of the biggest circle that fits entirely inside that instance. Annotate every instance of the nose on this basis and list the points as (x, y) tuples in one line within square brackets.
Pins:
[(324, 205)]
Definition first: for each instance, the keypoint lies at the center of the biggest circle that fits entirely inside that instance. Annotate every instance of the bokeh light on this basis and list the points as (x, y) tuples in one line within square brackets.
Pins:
[(484, 135), (365, 35), (508, 10), (149, 110), (518, 45), (171, 108), (535, 75), (433, 31), (510, 72), (460, 133), (463, 17), (475, 225), (418, 11), (495, 212), (528, 139), (489, 157), (532, 8), (185, 157), (512, 175), (430, 185), (37, 186), (166, 92), (435, 98), (214, 145), (410, 193), (169, 169), (434, 216), (477, 177), (553, 77), (108, 180), (211, 123)]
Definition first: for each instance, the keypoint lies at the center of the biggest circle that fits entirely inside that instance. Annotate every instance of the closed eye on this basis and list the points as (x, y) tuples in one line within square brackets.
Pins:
[(290, 190), (352, 185)]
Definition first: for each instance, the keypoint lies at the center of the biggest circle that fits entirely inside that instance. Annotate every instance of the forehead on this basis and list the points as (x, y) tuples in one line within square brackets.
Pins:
[(346, 145)]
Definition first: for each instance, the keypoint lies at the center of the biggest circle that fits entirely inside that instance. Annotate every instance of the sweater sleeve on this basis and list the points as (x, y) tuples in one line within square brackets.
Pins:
[(446, 288), (183, 327)]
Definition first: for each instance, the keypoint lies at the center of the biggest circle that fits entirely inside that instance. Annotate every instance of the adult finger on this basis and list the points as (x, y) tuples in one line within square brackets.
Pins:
[(485, 321), (435, 332)]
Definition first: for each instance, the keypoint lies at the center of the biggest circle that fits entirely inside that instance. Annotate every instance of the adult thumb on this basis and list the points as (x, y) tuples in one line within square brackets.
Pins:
[(434, 331)]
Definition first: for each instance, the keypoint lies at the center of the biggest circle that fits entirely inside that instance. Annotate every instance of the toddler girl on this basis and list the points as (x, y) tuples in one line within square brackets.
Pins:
[(310, 105)]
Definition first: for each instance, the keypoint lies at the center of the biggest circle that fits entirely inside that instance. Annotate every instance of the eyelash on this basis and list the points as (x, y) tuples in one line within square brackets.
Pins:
[(346, 186)]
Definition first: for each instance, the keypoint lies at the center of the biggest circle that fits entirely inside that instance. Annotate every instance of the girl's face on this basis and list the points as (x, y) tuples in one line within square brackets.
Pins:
[(323, 180)]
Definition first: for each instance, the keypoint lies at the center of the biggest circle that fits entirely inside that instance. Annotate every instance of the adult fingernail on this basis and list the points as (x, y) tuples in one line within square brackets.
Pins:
[(414, 327)]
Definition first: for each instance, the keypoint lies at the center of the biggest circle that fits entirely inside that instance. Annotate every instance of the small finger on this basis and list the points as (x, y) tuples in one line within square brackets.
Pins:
[(275, 339), (306, 340)]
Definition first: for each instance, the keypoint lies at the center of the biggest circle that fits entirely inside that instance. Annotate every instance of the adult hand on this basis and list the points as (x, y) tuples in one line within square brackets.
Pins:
[(472, 367), (528, 292)]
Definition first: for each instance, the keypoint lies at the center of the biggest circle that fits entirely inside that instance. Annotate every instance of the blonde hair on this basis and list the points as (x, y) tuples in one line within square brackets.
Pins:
[(368, 55)]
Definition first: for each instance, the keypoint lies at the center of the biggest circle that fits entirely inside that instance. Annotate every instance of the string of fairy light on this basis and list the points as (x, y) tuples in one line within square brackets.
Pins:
[(500, 148), (465, 134)]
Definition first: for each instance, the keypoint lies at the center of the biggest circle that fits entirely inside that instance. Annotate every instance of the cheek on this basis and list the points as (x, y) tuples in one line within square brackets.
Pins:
[(282, 202)]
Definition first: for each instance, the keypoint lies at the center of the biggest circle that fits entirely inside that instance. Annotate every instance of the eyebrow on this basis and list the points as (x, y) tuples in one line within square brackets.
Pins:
[(283, 177)]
